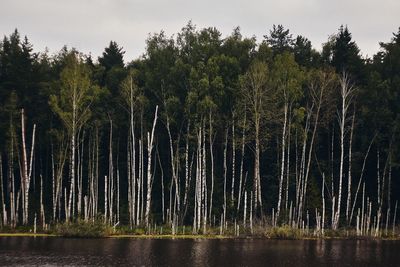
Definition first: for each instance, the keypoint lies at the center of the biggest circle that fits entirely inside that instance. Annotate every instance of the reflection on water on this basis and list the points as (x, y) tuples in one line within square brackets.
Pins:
[(179, 252)]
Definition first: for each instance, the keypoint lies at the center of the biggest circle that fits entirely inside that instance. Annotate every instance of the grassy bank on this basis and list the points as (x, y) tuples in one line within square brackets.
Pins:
[(97, 229)]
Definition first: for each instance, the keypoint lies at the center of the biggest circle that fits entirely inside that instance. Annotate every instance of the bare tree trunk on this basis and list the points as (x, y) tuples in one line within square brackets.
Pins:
[(105, 199), (130, 186), (283, 157), (323, 204), (288, 164), (204, 180), (187, 168), (211, 142), (245, 209), (174, 165), (349, 174), (378, 178), (241, 164), (389, 180), (347, 92), (3, 204), (302, 172), (162, 187), (198, 188), (394, 219), (110, 175), (140, 185), (233, 160), (71, 202), (42, 214), (225, 173), (257, 190), (118, 194), (133, 178), (26, 173), (150, 139), (360, 179), (53, 176), (97, 174)]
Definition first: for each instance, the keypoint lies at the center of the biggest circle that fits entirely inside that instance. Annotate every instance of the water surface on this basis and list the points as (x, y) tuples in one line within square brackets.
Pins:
[(52, 251)]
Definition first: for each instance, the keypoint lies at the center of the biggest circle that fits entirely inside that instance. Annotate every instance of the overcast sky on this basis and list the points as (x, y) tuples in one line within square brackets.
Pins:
[(89, 25)]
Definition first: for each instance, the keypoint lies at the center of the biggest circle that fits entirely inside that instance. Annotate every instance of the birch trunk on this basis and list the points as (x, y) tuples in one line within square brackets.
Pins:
[(233, 161), (360, 179), (241, 165), (346, 93), (26, 169), (283, 157), (187, 167), (105, 199), (225, 174), (323, 204), (150, 139), (349, 171), (212, 163), (3, 204)]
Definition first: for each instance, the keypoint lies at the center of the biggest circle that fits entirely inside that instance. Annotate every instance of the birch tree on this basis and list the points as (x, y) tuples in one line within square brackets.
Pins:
[(26, 168), (150, 144), (72, 105), (254, 91), (347, 92), (287, 80)]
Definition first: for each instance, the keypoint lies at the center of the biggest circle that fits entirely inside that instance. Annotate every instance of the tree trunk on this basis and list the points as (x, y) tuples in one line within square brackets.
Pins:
[(225, 174), (349, 173), (150, 140), (283, 157)]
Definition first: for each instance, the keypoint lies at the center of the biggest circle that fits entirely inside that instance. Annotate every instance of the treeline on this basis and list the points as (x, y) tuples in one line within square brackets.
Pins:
[(202, 131)]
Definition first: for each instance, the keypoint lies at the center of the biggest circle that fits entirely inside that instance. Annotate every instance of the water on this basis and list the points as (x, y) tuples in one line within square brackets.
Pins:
[(29, 251)]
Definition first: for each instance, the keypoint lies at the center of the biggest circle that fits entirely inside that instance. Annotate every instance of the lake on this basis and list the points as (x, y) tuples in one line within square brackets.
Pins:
[(50, 251)]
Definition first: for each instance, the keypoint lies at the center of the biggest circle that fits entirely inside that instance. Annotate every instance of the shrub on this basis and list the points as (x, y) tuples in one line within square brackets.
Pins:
[(284, 232), (82, 228)]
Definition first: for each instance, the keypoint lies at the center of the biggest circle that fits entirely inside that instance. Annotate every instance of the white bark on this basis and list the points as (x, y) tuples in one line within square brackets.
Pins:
[(346, 93), (211, 142), (241, 164), (225, 174), (283, 157), (105, 198), (110, 175), (150, 140), (349, 171), (26, 169), (3, 204), (204, 180), (233, 160), (323, 204), (360, 179), (245, 209)]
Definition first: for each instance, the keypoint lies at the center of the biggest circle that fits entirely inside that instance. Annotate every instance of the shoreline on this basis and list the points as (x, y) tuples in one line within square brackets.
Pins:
[(188, 236)]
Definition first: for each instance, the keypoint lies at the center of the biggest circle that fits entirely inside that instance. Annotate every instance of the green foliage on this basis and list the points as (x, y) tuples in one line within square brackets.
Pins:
[(72, 103), (279, 39), (284, 232), (81, 228), (112, 56)]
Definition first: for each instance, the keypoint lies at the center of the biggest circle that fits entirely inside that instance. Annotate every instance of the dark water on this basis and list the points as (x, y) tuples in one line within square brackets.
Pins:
[(30, 251)]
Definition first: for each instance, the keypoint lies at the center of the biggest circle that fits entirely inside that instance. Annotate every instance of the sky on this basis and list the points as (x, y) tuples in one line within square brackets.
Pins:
[(89, 25)]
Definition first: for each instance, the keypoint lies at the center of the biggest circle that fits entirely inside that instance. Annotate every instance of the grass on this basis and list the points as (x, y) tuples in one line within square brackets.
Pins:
[(285, 232), (97, 229), (82, 228), (26, 234)]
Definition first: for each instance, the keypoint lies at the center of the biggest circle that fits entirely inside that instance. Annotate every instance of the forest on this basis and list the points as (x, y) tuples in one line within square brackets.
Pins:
[(202, 131)]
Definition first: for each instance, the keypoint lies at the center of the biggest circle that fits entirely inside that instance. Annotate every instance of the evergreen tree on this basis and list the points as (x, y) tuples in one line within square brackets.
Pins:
[(279, 39)]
